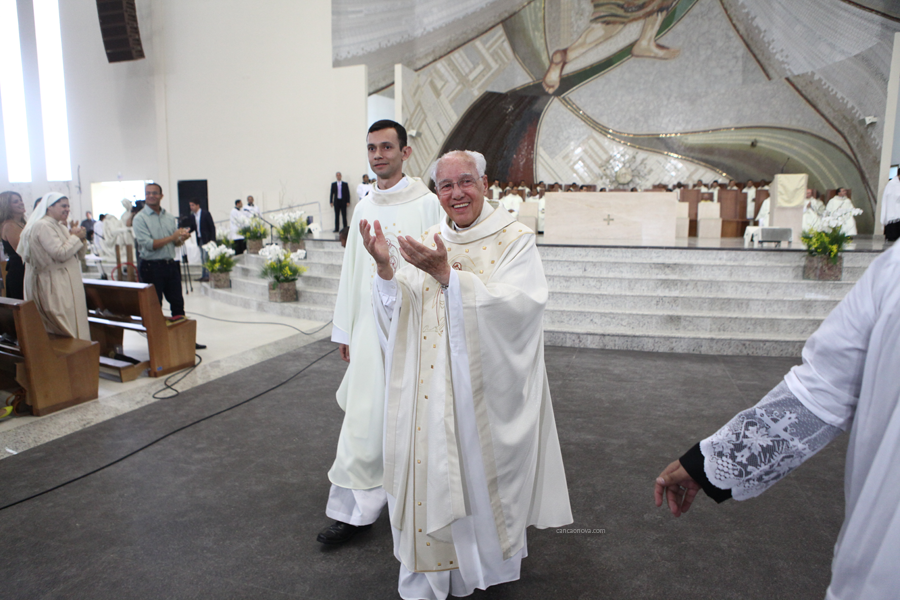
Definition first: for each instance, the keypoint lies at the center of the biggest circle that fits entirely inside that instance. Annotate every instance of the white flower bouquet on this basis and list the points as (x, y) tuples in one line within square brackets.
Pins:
[(220, 258)]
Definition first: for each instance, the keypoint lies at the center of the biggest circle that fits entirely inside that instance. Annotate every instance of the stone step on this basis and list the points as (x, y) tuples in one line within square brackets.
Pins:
[(254, 288), (322, 269), (692, 255), (662, 323), (314, 297), (298, 310), (688, 271), (815, 290), (314, 244), (690, 304), (329, 284), (258, 288), (716, 344), (331, 257)]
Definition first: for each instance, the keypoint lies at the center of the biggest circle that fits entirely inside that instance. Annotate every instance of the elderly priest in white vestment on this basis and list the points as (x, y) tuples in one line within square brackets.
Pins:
[(849, 380), (471, 452)]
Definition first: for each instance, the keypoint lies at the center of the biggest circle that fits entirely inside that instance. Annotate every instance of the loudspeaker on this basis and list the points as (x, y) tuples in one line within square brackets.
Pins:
[(119, 27)]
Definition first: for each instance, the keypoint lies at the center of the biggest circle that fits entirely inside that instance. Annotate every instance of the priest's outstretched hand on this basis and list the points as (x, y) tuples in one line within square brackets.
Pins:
[(678, 488), (434, 262), (377, 245)]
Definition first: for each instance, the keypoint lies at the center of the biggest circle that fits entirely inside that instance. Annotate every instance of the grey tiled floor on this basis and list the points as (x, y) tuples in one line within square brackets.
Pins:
[(229, 508)]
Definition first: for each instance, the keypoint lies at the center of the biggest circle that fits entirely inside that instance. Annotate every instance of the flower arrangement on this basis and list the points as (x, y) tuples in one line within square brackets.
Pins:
[(280, 266), (221, 258), (224, 240), (291, 227), (252, 228), (827, 238)]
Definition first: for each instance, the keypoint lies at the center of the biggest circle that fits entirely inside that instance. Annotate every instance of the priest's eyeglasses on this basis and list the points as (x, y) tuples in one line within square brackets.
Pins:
[(465, 183)]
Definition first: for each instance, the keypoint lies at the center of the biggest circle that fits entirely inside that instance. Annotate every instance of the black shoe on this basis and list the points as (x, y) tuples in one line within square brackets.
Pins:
[(339, 533), (200, 346)]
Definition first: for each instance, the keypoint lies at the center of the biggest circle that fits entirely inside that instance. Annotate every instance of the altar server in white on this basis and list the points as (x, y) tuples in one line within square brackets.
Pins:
[(472, 455), (406, 207), (844, 204), (849, 380)]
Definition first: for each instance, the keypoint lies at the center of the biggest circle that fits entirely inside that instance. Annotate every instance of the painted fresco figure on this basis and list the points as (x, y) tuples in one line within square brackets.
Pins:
[(607, 20)]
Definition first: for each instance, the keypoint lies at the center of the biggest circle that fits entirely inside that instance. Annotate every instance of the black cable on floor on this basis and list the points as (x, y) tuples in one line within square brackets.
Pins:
[(262, 323), (167, 385), (159, 439)]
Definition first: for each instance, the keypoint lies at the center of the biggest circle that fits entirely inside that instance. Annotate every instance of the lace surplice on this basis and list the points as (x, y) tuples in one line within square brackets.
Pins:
[(764, 443)]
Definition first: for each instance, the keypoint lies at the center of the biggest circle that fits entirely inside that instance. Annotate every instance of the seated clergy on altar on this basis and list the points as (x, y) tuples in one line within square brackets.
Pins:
[(471, 453)]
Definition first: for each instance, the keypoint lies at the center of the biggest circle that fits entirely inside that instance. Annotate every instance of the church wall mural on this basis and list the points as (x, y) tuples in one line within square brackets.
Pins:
[(652, 91)]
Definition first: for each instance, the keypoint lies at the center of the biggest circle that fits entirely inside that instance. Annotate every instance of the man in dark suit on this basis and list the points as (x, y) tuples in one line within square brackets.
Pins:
[(201, 224), (340, 198)]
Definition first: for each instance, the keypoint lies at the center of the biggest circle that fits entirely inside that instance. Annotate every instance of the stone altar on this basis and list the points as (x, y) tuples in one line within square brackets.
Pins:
[(597, 218)]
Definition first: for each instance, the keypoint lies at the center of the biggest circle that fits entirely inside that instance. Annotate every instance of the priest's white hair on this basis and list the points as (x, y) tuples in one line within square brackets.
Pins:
[(477, 157)]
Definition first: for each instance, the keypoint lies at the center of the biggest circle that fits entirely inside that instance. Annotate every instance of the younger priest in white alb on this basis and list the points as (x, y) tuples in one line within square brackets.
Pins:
[(849, 380), (406, 207), (472, 456)]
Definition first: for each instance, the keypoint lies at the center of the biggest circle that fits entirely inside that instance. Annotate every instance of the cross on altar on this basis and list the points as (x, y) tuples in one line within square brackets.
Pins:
[(609, 219)]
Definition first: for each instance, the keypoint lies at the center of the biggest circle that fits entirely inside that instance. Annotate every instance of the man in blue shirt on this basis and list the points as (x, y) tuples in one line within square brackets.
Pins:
[(156, 234)]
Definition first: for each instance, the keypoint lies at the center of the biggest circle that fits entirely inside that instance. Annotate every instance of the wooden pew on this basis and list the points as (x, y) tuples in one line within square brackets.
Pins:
[(761, 196), (56, 371), (692, 198), (114, 306), (734, 211)]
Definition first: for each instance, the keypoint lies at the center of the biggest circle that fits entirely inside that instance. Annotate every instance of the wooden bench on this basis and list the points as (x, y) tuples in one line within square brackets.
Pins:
[(114, 306), (56, 371)]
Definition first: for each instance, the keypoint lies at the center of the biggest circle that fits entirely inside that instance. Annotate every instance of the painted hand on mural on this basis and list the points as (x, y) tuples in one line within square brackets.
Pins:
[(607, 20)]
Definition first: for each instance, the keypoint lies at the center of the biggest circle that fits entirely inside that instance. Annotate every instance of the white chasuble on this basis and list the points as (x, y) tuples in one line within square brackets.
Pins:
[(409, 211), (471, 450)]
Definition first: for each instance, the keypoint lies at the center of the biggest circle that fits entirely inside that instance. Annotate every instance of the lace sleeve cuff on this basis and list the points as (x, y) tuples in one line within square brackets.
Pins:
[(761, 445), (692, 461)]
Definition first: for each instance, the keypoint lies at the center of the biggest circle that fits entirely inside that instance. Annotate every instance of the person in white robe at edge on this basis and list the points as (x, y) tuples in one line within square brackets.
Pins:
[(472, 455), (406, 206), (843, 203), (848, 380), (890, 210)]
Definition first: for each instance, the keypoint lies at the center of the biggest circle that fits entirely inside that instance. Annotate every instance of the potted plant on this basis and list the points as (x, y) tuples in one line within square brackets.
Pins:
[(219, 263), (291, 229), (254, 231), (283, 270), (824, 243), (224, 240)]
